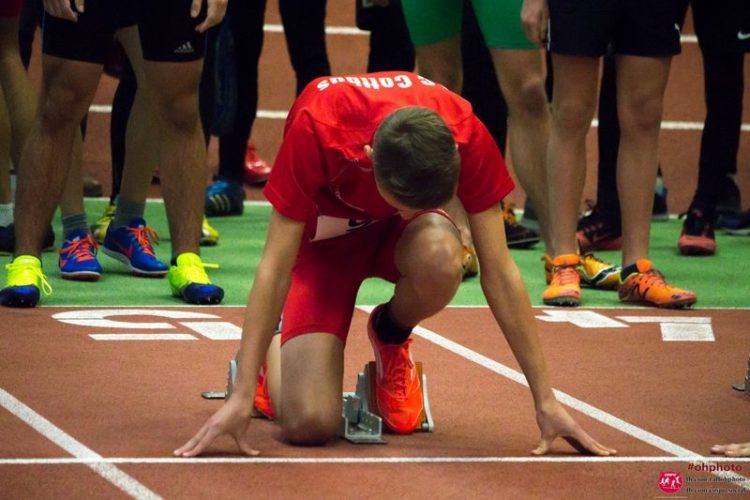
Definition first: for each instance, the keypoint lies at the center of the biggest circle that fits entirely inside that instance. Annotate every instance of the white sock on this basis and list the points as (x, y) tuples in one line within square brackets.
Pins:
[(6, 213)]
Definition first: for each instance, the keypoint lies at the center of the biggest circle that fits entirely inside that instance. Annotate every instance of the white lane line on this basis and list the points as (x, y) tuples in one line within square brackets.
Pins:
[(281, 115), (568, 400), (735, 462), (96, 462), (119, 337)]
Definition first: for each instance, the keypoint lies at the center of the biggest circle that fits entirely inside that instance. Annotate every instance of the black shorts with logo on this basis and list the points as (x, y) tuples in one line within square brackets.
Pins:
[(167, 32), (633, 27), (722, 26)]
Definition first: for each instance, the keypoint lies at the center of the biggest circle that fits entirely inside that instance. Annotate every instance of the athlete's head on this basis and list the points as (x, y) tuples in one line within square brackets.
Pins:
[(415, 158)]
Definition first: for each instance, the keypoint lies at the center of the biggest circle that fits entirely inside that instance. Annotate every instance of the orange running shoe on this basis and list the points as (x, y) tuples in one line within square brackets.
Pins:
[(262, 396), (398, 390), (646, 285), (470, 262), (565, 286)]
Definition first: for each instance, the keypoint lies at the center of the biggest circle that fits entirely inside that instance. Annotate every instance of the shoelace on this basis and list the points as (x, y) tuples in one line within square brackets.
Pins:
[(649, 279), (46, 287), (144, 235), (565, 275), (397, 373), (81, 249), (196, 272)]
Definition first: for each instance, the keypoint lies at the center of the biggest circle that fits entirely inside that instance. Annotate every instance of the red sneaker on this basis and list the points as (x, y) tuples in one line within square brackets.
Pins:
[(256, 168), (398, 390), (262, 396)]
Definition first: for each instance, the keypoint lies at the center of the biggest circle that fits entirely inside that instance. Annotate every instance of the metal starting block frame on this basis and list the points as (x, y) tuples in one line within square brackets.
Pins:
[(226, 394), (744, 387), (360, 422)]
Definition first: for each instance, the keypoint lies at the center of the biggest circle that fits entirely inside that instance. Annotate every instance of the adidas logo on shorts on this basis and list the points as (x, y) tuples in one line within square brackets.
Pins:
[(185, 48)]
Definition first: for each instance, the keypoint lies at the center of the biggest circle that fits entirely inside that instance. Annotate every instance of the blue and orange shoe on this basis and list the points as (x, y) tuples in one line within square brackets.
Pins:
[(24, 282), (189, 281), (78, 257), (398, 389), (131, 245)]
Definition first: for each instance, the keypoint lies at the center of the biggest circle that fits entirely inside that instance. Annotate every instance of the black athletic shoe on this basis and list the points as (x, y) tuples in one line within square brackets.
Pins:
[(517, 235)]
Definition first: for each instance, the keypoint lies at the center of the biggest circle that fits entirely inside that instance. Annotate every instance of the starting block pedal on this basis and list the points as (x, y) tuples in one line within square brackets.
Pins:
[(360, 422), (226, 394), (744, 387)]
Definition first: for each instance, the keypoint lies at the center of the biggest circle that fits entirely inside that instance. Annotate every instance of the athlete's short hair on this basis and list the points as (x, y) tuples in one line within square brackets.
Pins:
[(415, 157)]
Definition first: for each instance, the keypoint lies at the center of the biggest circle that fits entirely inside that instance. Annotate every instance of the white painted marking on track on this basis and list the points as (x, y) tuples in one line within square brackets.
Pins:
[(95, 462), (97, 318), (580, 318), (371, 460), (572, 402), (219, 330), (141, 336)]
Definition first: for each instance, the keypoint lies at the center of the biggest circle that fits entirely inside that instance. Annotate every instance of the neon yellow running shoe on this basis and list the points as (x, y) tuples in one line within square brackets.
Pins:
[(189, 281), (99, 228), (24, 281), (209, 235)]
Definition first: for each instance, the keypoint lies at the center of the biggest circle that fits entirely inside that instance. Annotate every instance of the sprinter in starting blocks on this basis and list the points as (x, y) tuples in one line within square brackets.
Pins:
[(360, 421)]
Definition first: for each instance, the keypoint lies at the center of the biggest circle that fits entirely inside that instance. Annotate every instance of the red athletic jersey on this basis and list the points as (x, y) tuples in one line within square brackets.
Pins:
[(322, 176)]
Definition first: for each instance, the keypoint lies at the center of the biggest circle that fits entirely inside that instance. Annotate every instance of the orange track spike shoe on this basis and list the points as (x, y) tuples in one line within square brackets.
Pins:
[(398, 389)]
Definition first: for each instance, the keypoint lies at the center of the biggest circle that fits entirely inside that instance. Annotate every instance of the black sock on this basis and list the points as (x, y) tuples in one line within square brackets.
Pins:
[(628, 270), (387, 329)]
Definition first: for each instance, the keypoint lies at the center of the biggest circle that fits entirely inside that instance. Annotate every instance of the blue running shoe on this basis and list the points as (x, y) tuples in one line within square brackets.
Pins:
[(78, 257), (131, 245), (24, 281), (224, 197), (188, 280)]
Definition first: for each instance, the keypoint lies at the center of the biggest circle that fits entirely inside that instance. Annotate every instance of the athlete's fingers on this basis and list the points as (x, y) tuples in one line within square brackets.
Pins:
[(195, 8), (203, 443), (192, 442), (245, 446), (79, 5), (585, 444), (216, 11), (61, 9), (542, 448), (732, 450)]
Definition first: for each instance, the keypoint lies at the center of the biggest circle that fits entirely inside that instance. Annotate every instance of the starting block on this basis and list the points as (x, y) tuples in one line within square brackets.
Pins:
[(360, 422), (744, 387), (226, 394)]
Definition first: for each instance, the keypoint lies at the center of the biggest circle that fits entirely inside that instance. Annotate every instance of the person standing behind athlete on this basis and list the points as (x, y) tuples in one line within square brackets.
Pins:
[(76, 40), (644, 35)]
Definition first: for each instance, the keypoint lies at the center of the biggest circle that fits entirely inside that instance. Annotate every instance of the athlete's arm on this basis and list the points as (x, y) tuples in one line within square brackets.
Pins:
[(62, 9), (509, 301), (214, 15), (264, 306), (534, 16)]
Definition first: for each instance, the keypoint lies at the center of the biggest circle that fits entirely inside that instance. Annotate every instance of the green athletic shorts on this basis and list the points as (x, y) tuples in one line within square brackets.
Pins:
[(432, 21)]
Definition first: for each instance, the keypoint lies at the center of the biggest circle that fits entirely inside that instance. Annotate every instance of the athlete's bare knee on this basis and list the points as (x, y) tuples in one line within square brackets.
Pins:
[(313, 428), (531, 99)]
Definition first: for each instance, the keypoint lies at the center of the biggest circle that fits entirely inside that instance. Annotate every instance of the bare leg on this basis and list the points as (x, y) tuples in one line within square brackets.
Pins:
[(521, 77), (174, 88), (5, 194), (641, 82), (441, 62), (142, 137), (68, 88), (573, 106)]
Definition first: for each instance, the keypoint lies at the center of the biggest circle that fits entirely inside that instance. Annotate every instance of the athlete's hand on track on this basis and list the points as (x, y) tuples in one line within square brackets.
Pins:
[(216, 11), (534, 16), (62, 9), (555, 422), (732, 450), (233, 419)]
